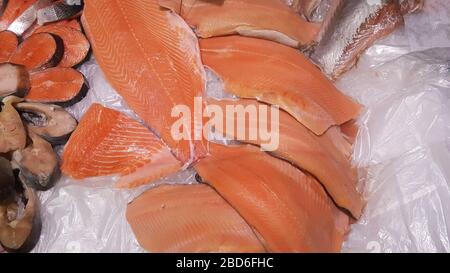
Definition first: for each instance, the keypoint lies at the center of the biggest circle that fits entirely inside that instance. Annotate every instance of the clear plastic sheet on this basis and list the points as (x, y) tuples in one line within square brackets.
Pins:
[(403, 147), (403, 150)]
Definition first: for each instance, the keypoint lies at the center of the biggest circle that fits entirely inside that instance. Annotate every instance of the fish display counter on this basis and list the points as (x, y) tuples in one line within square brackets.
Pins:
[(358, 92)]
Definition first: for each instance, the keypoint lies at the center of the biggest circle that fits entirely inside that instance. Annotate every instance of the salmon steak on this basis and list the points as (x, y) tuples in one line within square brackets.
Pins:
[(14, 9), (326, 157), (76, 45), (8, 45), (39, 51), (107, 142), (61, 86), (266, 19), (278, 75), (189, 218), (289, 210), (151, 57)]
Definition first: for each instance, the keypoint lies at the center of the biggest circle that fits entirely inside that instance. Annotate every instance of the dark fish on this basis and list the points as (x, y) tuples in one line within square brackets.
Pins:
[(37, 163), (14, 80), (7, 181), (20, 231), (351, 28), (12, 132), (51, 122), (60, 10)]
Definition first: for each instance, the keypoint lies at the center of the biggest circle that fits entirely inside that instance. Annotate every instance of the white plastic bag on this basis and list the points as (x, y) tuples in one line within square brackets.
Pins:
[(402, 151)]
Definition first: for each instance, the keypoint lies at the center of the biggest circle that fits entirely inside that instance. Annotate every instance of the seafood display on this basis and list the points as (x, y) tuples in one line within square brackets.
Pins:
[(36, 81), (266, 19), (158, 218), (158, 55), (107, 142), (261, 187), (172, 78), (277, 74)]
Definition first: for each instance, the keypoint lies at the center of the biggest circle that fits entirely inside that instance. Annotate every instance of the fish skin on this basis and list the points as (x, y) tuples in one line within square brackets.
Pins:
[(189, 218), (326, 157), (107, 142), (304, 7), (288, 209), (76, 45), (267, 19), (13, 9), (59, 10), (355, 25), (39, 51), (57, 85), (152, 59), (280, 75), (8, 45)]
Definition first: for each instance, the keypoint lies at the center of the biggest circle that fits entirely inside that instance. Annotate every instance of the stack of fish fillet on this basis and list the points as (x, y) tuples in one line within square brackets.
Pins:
[(300, 197)]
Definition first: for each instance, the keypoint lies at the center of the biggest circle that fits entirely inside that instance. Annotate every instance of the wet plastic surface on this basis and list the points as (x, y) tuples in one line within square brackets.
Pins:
[(403, 150)]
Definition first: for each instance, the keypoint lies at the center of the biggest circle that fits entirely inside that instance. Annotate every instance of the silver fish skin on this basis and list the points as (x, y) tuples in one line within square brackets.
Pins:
[(60, 10), (24, 21), (353, 26)]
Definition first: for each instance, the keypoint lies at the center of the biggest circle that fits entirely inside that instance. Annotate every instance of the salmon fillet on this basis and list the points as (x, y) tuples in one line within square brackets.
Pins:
[(189, 218), (279, 75), (289, 210), (266, 19), (8, 45), (151, 57), (350, 130), (76, 46), (326, 157), (107, 142)]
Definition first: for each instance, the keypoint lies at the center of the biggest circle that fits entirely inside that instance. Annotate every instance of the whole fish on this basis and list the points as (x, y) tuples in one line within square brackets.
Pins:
[(351, 27)]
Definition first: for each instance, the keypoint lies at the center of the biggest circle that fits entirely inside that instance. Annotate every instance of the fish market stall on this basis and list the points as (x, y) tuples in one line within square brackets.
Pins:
[(361, 151)]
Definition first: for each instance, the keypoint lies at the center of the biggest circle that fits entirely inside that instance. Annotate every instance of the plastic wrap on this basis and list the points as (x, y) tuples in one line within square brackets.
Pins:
[(402, 152)]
